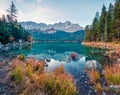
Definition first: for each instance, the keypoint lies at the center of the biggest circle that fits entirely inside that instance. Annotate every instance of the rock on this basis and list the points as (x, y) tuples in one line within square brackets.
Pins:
[(48, 60), (73, 57), (92, 64), (118, 60), (116, 88)]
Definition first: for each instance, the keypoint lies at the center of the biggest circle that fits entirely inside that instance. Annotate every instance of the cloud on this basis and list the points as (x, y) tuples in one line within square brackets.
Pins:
[(18, 1), (39, 1), (2, 12)]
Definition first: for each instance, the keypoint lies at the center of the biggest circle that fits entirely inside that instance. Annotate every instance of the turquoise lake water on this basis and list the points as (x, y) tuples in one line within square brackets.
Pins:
[(59, 53)]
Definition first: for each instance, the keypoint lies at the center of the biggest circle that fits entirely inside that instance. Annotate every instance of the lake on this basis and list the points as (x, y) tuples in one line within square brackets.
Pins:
[(59, 53)]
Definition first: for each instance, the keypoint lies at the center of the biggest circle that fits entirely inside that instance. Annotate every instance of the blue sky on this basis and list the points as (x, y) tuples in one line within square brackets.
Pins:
[(52, 11)]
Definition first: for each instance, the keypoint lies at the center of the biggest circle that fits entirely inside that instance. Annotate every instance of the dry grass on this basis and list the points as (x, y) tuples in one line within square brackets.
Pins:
[(109, 45), (37, 81), (94, 75), (112, 74), (98, 87)]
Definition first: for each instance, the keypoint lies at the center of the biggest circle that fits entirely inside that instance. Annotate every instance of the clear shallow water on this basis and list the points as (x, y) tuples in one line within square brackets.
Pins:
[(59, 53)]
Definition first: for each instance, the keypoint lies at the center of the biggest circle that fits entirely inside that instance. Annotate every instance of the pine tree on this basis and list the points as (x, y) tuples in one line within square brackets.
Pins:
[(12, 12), (88, 35), (94, 27), (109, 23), (116, 21), (102, 23)]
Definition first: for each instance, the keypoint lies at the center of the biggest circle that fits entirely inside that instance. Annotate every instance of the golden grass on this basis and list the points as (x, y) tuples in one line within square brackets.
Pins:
[(112, 74), (37, 81), (109, 45), (94, 75), (98, 87)]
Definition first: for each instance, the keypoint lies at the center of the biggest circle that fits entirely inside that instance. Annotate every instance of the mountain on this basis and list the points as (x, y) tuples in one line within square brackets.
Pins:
[(66, 26), (58, 35)]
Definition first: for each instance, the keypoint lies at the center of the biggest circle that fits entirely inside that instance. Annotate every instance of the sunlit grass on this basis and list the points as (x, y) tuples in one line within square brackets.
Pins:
[(36, 80), (94, 75), (112, 74)]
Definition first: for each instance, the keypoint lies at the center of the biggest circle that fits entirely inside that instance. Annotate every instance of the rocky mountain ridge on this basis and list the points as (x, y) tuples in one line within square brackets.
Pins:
[(63, 26)]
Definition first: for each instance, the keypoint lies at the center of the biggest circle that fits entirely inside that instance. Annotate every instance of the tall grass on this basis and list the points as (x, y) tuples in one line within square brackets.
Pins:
[(39, 82), (112, 74)]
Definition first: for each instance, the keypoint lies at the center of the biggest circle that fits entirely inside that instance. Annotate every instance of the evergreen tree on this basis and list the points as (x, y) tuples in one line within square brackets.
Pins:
[(102, 23), (10, 29), (109, 23), (94, 27), (88, 35), (12, 12), (116, 21)]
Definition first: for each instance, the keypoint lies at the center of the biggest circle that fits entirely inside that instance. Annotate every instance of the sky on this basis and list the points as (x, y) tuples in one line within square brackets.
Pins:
[(53, 11)]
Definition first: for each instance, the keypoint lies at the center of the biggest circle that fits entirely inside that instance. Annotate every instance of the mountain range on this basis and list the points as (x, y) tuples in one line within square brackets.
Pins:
[(58, 36), (58, 32), (63, 26)]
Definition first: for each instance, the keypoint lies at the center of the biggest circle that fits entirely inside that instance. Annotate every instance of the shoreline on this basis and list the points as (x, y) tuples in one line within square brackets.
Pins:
[(107, 45), (113, 48)]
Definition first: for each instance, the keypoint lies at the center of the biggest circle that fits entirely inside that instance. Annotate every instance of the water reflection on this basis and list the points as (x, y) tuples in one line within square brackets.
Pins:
[(59, 53)]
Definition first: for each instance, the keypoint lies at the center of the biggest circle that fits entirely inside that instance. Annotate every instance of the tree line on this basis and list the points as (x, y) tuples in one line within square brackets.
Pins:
[(105, 27), (10, 29)]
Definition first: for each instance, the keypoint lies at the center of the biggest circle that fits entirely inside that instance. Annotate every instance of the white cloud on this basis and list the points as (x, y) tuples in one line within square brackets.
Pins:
[(39, 1), (37, 13), (2, 12), (18, 1)]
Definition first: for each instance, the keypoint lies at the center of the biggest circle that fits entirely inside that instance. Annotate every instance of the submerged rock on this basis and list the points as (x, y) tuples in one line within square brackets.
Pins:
[(92, 64), (73, 57), (47, 60)]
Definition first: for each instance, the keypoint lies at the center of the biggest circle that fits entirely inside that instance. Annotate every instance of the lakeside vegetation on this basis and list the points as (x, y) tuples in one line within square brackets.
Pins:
[(32, 78), (10, 29), (106, 27)]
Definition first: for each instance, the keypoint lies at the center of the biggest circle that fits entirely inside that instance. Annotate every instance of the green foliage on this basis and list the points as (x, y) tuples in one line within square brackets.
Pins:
[(88, 33), (94, 27), (10, 27), (21, 57), (116, 21), (17, 74), (107, 28)]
